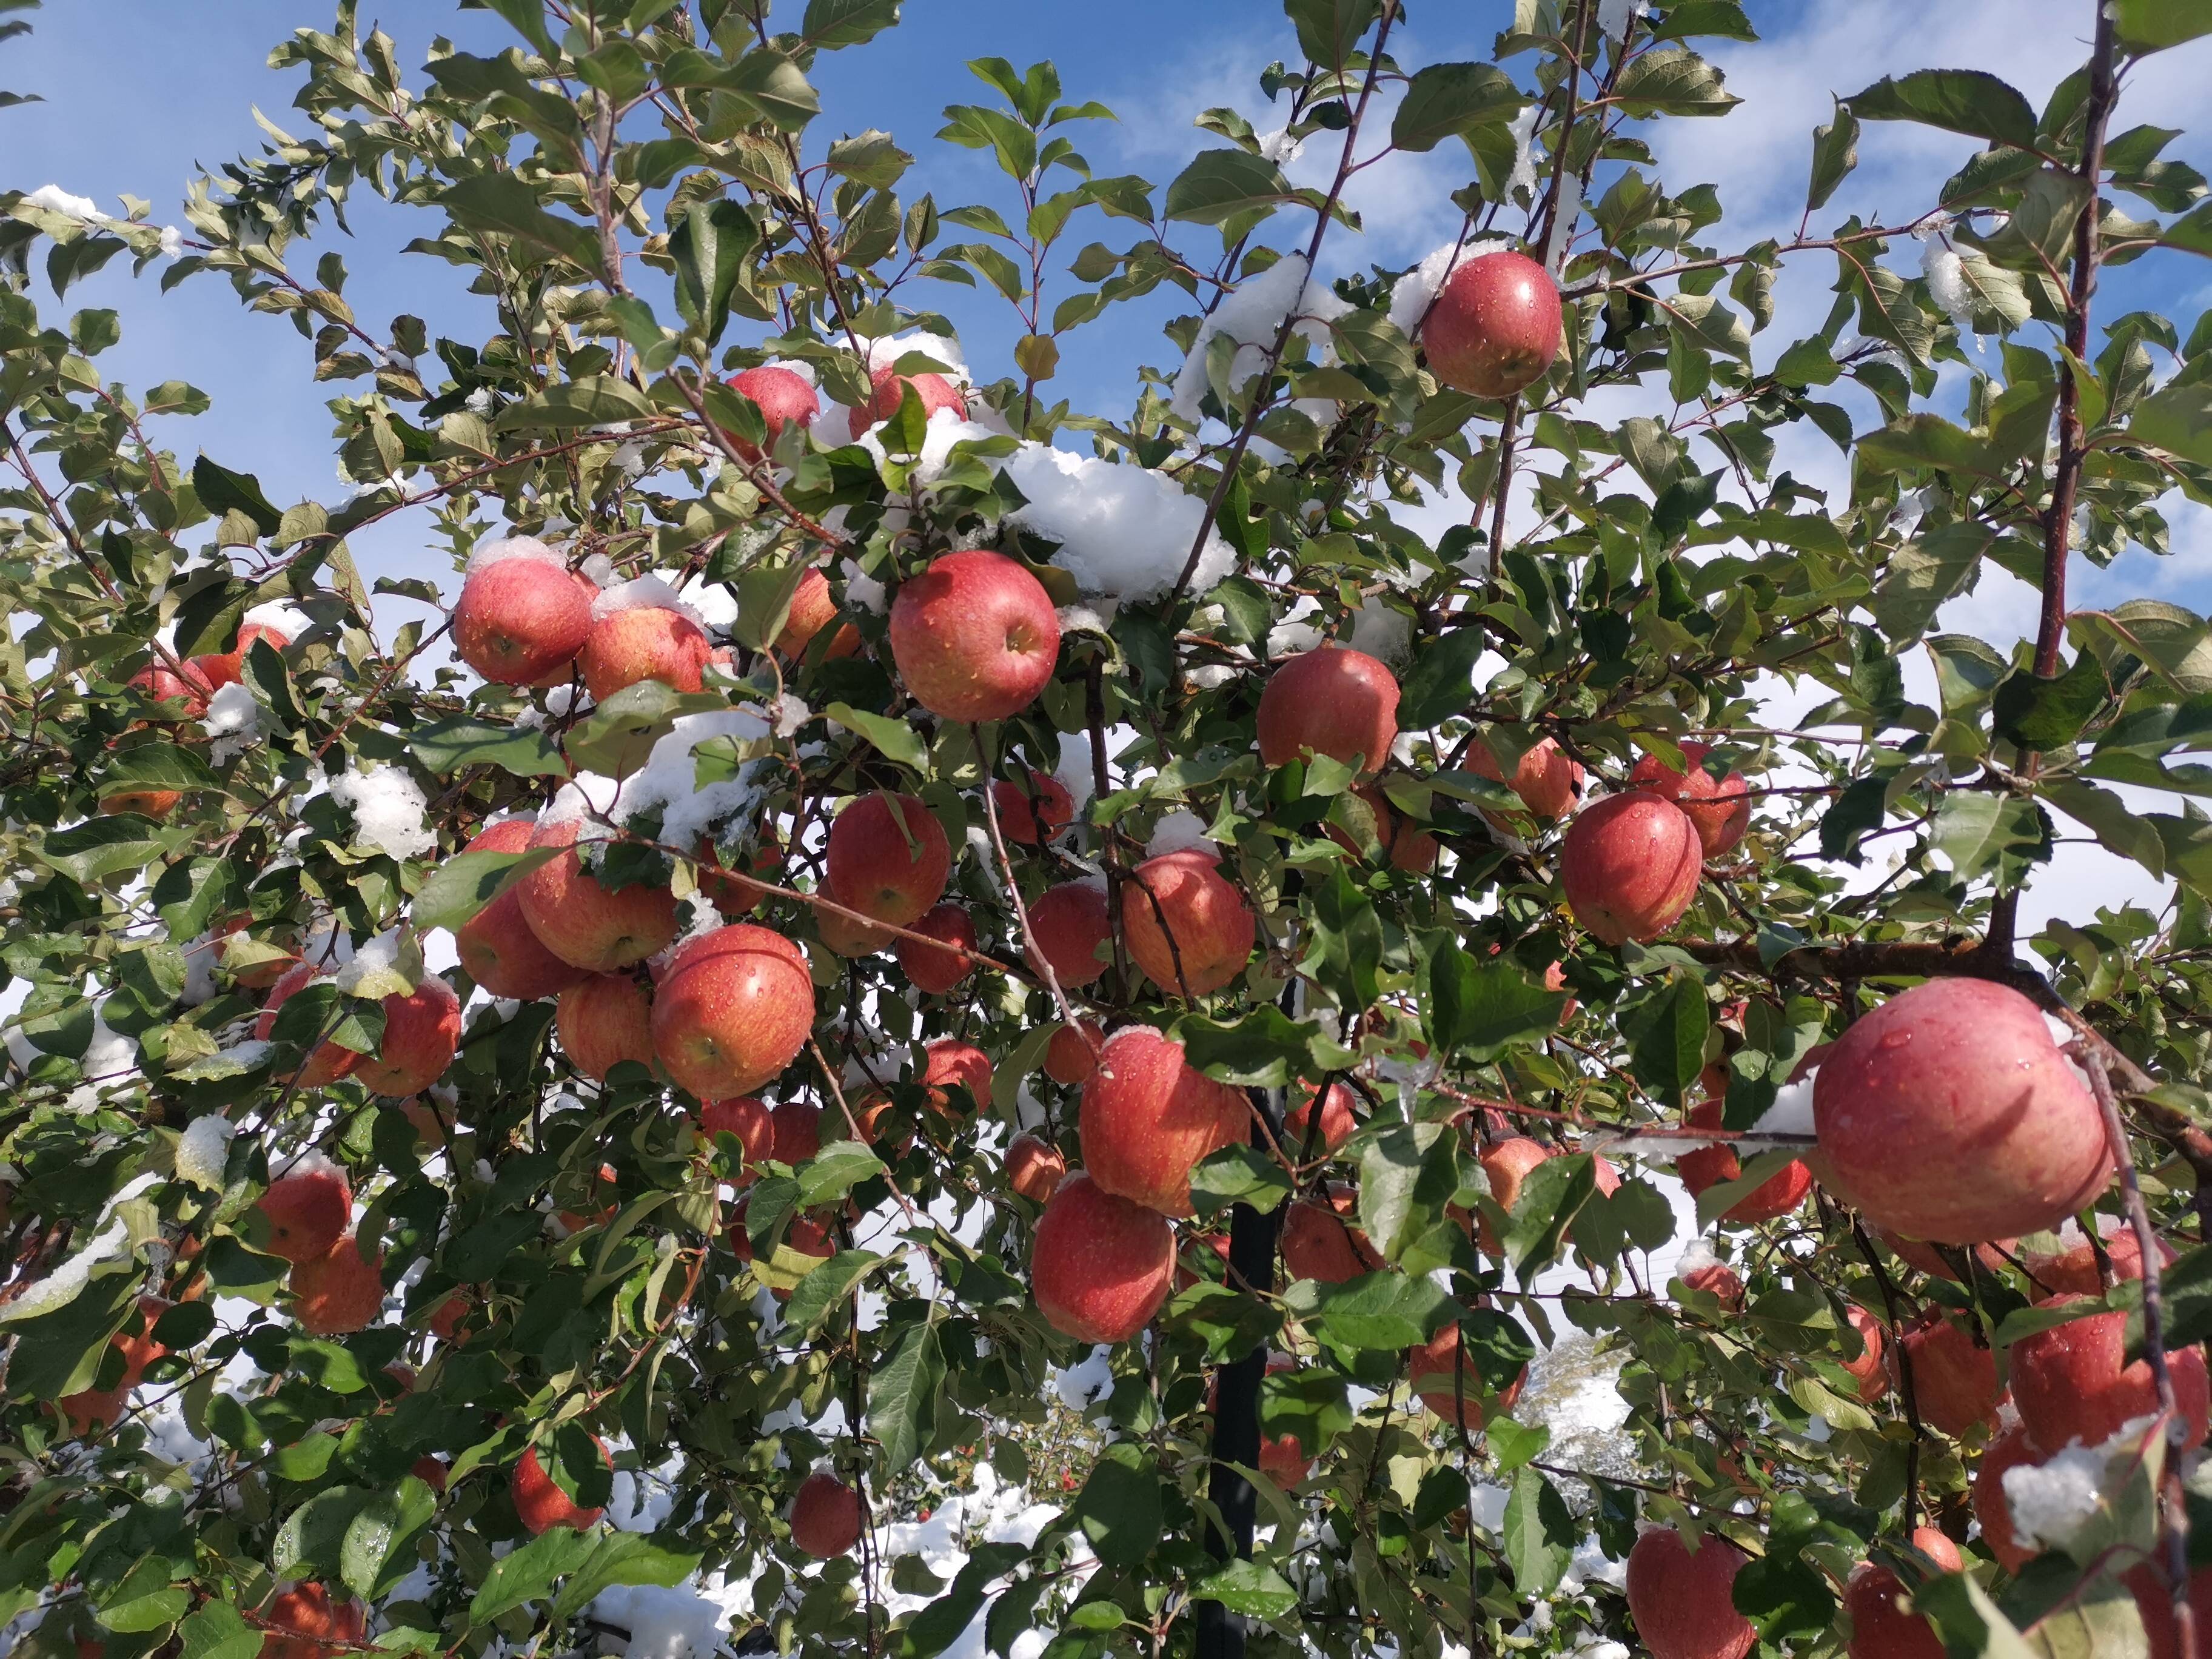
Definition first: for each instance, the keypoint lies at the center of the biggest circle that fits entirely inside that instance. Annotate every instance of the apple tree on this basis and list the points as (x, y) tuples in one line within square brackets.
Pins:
[(842, 902)]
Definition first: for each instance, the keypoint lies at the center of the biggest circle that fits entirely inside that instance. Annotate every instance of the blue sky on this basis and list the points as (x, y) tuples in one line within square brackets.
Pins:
[(140, 91)]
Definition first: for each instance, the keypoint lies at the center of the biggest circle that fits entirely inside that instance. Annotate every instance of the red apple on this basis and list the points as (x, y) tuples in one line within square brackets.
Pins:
[(1183, 896), (1073, 1054), (1949, 1114), (784, 399), (539, 1503), (1505, 1164), (1404, 847), (183, 695), (1548, 779), (950, 1061), (2070, 1383), (1492, 329), (1717, 1280), (1282, 1460), (307, 1207), (222, 668), (583, 923), (1710, 1166), (1880, 1629), (813, 609), (1100, 1266), (302, 1622), (850, 938), (974, 637), (1954, 1378), (1337, 1121), (797, 1131), (747, 1118), (888, 858), (1452, 1387), (1033, 812), (2154, 1597), (736, 1007), (1630, 866), (496, 945), (430, 1470), (604, 1020), (2008, 1448), (826, 1518), (146, 803), (422, 1030), (937, 968), (2075, 1269), (1147, 1119), (645, 643), (1318, 1243), (329, 1061), (1330, 700), (521, 619), (1682, 1602), (1720, 807), (1071, 923), (1035, 1168), (1916, 1253), (735, 895), (338, 1291), (888, 391), (1867, 1369), (93, 1409)]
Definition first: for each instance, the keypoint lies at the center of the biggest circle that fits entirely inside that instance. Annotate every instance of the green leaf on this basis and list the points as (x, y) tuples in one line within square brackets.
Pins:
[(1552, 1195), (1979, 832), (1250, 1588), (824, 1289), (1443, 100), (217, 1631), (2116, 828), (830, 24), (1241, 1174), (2173, 643), (772, 84), (1672, 80), (1477, 1010), (463, 884), (940, 1624), (1118, 1507), (709, 246), (2177, 419), (622, 1558), (1373, 1311), (1919, 441), (378, 1548), (2049, 714), (1347, 952), (1923, 576), (1666, 1032), (1441, 683), (2148, 26), (460, 741), (1408, 1172), (590, 400), (1264, 1049), (1835, 153), (897, 739), (764, 597), (1222, 184), (1539, 1533), (903, 1395), (615, 739), (504, 204), (105, 845), (1970, 101), (1329, 31), (528, 1573), (221, 491), (835, 1171)]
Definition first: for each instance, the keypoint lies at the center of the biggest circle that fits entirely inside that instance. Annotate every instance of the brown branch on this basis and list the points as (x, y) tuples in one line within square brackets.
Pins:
[(1243, 439)]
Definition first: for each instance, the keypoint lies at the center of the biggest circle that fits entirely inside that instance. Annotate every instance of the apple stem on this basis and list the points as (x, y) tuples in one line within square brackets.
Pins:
[(2173, 1507)]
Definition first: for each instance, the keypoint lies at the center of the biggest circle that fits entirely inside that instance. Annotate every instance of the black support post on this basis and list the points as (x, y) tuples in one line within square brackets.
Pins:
[(1237, 1399)]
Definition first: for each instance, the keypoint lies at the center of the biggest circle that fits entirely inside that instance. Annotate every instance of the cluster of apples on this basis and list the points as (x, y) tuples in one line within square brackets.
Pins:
[(180, 689)]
